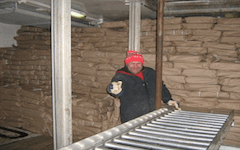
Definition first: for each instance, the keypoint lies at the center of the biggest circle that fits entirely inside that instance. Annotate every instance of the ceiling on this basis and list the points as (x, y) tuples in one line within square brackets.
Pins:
[(38, 12)]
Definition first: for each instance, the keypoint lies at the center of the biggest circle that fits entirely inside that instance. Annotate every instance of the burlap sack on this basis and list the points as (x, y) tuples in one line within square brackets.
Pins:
[(228, 104), (176, 20), (186, 58), (192, 50), (200, 20), (105, 44), (79, 122), (229, 81), (185, 65), (228, 74), (210, 94), (231, 33), (207, 33), (208, 103), (87, 117), (174, 85), (228, 21), (219, 45), (203, 38), (206, 26), (199, 73), (231, 40), (235, 96), (178, 79), (222, 52), (227, 66), (76, 76), (108, 67), (93, 29), (223, 27), (116, 24), (202, 87), (230, 88), (114, 118), (202, 80)]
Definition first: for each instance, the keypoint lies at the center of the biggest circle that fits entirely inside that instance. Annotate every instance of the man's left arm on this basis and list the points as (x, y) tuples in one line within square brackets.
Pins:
[(167, 98)]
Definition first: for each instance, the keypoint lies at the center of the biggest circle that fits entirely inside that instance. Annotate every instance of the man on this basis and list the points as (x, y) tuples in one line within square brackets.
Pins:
[(135, 85)]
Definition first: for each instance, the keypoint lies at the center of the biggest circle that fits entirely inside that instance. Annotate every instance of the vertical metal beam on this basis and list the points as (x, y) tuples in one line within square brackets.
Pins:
[(137, 19), (159, 53), (131, 25), (134, 25), (61, 72)]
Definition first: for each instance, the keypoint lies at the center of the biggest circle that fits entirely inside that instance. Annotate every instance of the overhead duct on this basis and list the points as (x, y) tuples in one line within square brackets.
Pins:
[(181, 8), (196, 11), (37, 13), (48, 18), (200, 2)]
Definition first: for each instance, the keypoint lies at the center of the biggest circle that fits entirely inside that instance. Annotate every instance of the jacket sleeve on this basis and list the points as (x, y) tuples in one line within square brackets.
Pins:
[(166, 95)]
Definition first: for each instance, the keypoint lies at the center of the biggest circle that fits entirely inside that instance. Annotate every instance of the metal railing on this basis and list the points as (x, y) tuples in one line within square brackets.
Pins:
[(162, 129)]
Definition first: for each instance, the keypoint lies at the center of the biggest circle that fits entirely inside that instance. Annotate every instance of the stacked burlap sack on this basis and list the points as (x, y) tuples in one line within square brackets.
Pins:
[(30, 62), (5, 56), (203, 72), (91, 115), (94, 115), (2, 51), (25, 108), (30, 109)]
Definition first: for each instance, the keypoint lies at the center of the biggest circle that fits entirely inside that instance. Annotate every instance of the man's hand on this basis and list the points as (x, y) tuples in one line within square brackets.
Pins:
[(175, 104), (115, 88)]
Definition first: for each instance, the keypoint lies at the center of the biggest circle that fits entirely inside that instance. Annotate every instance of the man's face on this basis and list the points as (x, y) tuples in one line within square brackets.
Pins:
[(135, 67)]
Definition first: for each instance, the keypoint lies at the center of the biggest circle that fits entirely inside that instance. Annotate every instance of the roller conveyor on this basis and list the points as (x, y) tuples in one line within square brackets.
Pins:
[(162, 129)]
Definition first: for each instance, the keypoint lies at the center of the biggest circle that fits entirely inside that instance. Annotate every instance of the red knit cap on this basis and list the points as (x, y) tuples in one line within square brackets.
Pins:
[(134, 56)]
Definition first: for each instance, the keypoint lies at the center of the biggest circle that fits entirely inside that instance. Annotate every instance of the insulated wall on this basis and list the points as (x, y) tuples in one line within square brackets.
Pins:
[(7, 32), (200, 68)]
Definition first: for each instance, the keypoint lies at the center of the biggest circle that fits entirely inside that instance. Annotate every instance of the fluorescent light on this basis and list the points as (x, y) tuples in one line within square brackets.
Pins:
[(77, 14)]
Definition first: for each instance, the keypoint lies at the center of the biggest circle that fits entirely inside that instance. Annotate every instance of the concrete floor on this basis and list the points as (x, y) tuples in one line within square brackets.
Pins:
[(18, 139), (40, 142)]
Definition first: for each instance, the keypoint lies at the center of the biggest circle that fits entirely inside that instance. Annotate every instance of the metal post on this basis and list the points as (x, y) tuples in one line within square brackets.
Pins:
[(159, 53), (131, 23), (61, 72), (134, 25)]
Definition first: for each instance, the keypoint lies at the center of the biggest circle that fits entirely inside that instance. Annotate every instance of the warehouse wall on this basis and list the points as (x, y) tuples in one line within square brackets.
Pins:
[(200, 68), (7, 32)]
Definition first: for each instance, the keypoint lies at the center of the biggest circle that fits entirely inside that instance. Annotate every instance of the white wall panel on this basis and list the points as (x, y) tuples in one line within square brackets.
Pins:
[(7, 33)]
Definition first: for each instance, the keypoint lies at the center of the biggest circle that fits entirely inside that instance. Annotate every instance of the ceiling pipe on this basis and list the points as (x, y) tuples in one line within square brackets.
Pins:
[(35, 3), (200, 2), (48, 7), (195, 11), (30, 13), (34, 14), (205, 3), (186, 3)]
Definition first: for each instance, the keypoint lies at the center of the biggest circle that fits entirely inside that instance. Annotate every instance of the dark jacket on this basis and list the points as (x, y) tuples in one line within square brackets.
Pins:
[(138, 96)]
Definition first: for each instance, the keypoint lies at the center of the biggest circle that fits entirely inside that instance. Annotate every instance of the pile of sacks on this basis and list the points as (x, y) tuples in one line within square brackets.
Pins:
[(25, 108), (31, 109)]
